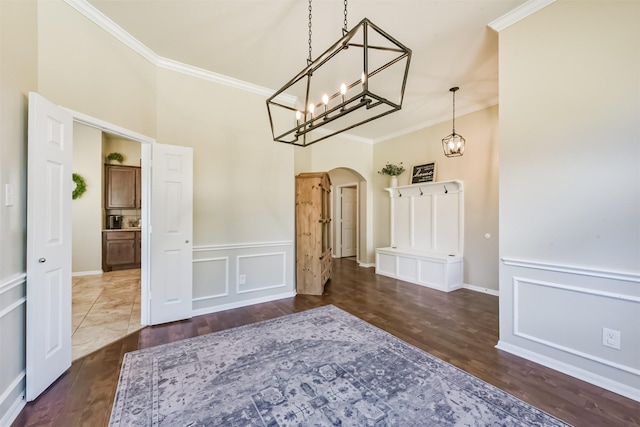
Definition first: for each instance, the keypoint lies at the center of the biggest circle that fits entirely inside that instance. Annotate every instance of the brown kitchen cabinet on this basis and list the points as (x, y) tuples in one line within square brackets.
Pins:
[(120, 250), (122, 187)]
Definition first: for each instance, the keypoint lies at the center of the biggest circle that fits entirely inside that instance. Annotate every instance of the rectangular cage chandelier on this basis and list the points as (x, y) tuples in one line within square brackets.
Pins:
[(362, 77)]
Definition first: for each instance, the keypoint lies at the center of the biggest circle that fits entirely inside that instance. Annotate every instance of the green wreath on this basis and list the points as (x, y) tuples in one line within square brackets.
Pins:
[(81, 186)]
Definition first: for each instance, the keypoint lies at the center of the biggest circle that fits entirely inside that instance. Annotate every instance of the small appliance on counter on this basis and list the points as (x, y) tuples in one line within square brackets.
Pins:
[(115, 222)]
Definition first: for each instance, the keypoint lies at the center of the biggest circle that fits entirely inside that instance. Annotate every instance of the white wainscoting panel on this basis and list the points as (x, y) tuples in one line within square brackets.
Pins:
[(573, 331), (210, 278), (554, 314), (422, 218), (12, 340), (262, 271), (267, 270), (402, 222)]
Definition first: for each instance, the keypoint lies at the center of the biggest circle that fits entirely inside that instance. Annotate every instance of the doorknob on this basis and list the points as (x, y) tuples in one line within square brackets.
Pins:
[(186, 241), (41, 260)]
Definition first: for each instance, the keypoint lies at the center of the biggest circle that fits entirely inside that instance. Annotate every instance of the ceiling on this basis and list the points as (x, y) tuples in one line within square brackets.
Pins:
[(265, 42)]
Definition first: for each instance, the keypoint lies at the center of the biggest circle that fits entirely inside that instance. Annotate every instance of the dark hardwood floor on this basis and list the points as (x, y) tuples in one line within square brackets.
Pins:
[(460, 327)]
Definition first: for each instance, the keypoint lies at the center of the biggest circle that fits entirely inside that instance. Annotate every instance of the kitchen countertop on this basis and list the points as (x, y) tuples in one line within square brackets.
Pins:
[(124, 229)]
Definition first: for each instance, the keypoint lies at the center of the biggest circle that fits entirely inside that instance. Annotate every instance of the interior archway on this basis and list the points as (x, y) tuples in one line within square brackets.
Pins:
[(342, 180)]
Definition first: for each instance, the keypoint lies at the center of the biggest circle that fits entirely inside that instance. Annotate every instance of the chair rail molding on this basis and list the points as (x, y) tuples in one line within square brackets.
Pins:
[(624, 276)]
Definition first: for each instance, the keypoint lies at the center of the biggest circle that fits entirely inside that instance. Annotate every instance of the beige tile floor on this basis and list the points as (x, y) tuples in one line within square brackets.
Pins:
[(105, 307)]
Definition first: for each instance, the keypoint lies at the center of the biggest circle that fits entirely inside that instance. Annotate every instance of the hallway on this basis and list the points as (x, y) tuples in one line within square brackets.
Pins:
[(105, 308)]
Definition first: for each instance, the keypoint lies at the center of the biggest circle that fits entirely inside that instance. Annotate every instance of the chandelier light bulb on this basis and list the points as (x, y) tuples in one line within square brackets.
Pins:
[(311, 108), (362, 77), (325, 99), (343, 91), (298, 115)]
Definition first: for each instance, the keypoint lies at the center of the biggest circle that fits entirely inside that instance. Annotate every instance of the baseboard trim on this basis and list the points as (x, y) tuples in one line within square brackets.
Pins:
[(244, 303), (17, 405), (86, 273), (365, 265), (565, 368), (481, 290)]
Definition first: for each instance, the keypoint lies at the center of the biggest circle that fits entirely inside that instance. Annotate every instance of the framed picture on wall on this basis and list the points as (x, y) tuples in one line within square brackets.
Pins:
[(423, 173)]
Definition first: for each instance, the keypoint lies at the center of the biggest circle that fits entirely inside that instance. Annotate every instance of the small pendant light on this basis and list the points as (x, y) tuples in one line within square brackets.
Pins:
[(453, 145)]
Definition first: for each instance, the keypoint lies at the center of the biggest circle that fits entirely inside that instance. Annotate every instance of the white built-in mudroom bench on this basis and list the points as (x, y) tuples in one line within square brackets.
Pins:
[(427, 235)]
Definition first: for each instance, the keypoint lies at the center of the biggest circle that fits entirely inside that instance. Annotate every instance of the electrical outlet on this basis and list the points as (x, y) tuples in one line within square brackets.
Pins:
[(242, 279), (611, 338)]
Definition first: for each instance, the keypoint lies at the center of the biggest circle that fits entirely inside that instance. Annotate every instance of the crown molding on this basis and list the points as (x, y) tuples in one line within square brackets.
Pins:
[(101, 20), (104, 22), (190, 70), (517, 14), (422, 125)]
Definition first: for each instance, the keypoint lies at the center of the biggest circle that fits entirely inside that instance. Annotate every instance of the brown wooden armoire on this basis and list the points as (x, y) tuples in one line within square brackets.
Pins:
[(313, 222)]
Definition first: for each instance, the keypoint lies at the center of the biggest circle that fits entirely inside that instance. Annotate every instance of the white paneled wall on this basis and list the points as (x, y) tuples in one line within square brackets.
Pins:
[(577, 303), (230, 276), (428, 217), (12, 330)]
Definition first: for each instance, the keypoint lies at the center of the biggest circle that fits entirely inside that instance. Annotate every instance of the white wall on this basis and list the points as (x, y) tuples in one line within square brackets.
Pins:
[(87, 210), (18, 76), (478, 168), (243, 191), (82, 67), (570, 189)]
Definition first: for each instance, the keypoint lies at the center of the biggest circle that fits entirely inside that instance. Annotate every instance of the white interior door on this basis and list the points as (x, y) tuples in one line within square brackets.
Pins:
[(49, 187), (171, 233), (348, 221)]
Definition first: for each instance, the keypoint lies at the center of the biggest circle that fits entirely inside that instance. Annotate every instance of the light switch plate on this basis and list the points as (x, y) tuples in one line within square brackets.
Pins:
[(9, 196)]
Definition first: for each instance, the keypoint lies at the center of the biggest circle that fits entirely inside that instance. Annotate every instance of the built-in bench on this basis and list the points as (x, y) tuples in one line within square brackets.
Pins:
[(426, 234), (438, 271)]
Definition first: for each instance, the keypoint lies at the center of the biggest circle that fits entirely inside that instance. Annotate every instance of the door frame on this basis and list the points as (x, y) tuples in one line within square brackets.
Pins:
[(145, 145), (337, 243)]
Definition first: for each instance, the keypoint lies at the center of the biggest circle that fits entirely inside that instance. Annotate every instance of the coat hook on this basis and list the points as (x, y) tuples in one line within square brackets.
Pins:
[(399, 193), (421, 193), (445, 189)]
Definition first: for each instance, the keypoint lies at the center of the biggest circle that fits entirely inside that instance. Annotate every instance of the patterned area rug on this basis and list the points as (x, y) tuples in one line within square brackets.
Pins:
[(322, 367)]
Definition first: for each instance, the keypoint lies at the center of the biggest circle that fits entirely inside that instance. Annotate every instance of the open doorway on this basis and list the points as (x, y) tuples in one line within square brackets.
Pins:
[(166, 201), (107, 240), (348, 218), (346, 212)]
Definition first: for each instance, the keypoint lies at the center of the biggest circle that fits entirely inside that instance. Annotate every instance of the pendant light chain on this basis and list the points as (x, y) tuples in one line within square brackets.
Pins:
[(454, 110), (309, 60), (346, 28)]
